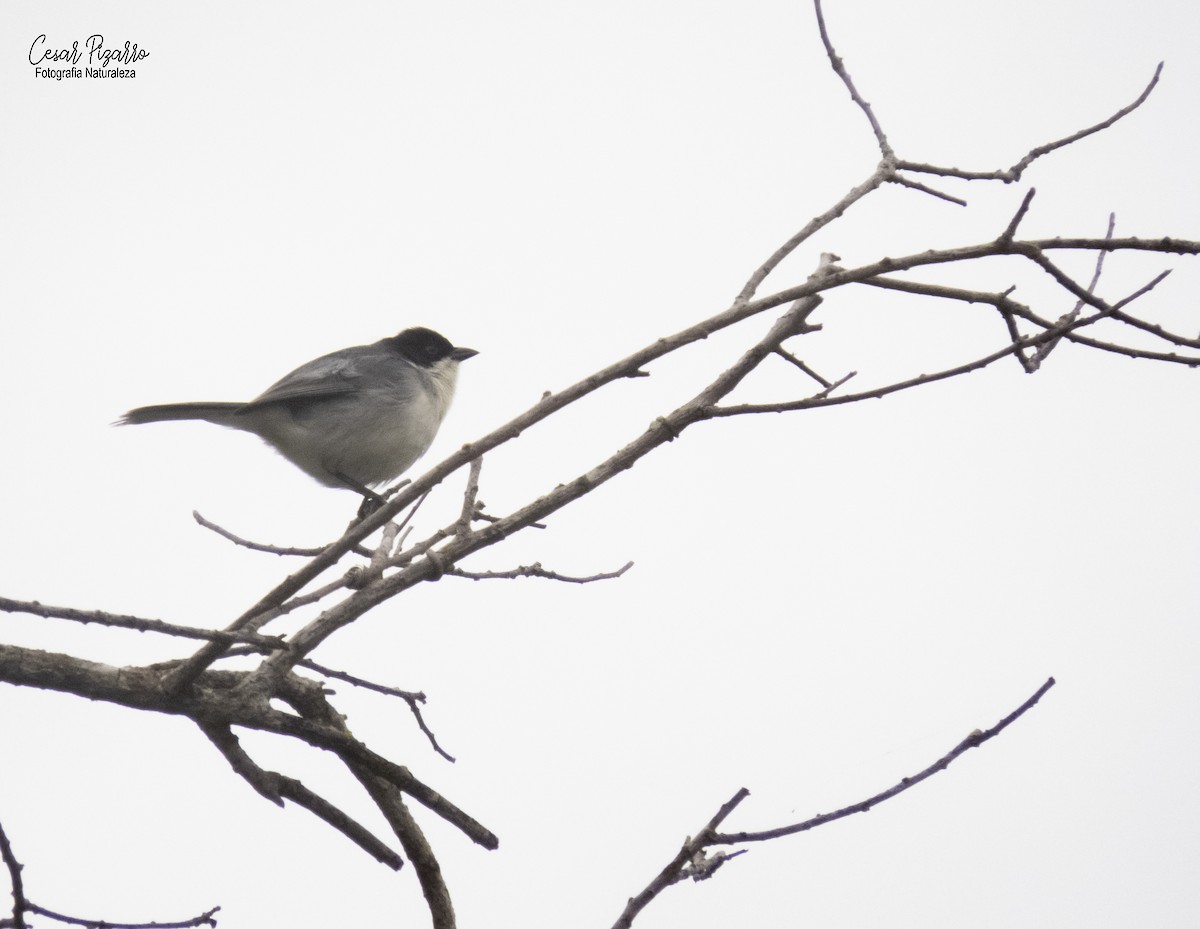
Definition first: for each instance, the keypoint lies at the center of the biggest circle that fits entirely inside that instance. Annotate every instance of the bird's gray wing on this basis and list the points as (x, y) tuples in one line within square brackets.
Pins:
[(337, 375), (333, 375)]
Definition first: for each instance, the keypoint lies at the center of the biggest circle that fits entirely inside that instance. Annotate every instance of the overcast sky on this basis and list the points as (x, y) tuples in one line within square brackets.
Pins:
[(821, 603)]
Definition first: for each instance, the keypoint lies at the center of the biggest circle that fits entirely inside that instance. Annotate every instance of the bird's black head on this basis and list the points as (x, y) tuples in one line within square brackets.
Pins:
[(425, 348)]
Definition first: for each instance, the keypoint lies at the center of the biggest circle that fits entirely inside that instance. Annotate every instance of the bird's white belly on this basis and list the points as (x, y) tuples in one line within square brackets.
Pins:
[(370, 440)]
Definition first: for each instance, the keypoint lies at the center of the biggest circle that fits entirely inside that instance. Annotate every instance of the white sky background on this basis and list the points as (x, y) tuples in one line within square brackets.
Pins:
[(821, 603)]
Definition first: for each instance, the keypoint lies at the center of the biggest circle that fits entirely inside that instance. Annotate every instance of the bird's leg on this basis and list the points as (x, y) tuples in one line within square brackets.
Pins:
[(368, 506), (371, 500)]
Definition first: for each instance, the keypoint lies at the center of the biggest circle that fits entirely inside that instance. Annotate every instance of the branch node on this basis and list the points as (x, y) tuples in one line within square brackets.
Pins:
[(439, 565), (663, 423)]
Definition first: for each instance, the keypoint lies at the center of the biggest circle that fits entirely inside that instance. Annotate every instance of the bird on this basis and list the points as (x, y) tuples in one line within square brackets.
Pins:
[(354, 418)]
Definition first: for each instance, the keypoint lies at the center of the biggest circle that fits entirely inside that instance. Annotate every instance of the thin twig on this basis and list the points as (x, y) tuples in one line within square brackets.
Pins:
[(470, 496), (20, 904), (1043, 351), (925, 189), (1011, 230), (488, 518), (412, 698), (204, 919), (351, 751), (406, 695), (785, 354), (750, 288), (408, 518), (840, 69), (821, 400), (974, 740), (261, 546), (1085, 295), (834, 386), (1151, 328), (1009, 308), (1014, 173), (536, 570), (138, 623), (1054, 332), (1191, 361), (417, 549), (691, 860)]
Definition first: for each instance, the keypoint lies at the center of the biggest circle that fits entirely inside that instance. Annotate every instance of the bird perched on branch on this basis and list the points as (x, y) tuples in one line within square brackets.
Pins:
[(353, 418)]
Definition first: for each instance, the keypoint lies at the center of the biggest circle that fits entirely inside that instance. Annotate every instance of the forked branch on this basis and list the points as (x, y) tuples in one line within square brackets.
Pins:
[(694, 848)]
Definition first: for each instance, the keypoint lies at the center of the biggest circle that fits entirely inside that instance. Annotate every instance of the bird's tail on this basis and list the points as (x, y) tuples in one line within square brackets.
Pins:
[(219, 413)]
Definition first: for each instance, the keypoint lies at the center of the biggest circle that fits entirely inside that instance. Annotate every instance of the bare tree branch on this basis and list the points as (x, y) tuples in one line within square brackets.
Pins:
[(23, 905), (792, 359), (260, 546), (412, 699), (1043, 351), (839, 68), (974, 740), (226, 698), (388, 798), (1022, 210), (470, 496), (138, 623), (1054, 332), (390, 802), (277, 787), (1009, 308), (692, 861), (824, 399), (20, 904), (207, 918), (750, 288), (1014, 173), (536, 570), (670, 874), (903, 181)]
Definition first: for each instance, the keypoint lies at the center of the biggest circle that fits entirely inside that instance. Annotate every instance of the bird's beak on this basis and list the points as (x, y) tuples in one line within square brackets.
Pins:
[(462, 354)]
